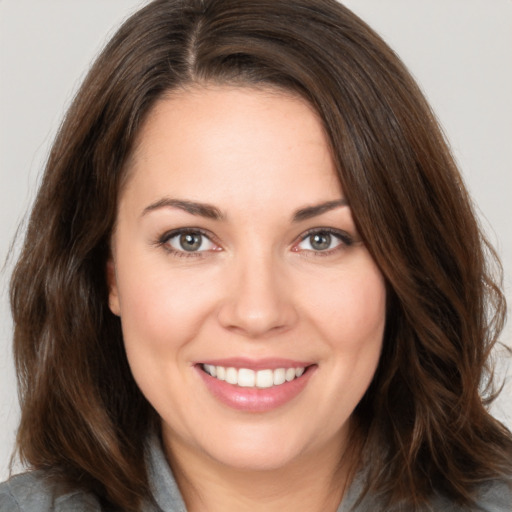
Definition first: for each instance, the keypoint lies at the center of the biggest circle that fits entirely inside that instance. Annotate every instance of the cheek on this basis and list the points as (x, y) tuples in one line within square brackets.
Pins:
[(161, 315), (350, 308), (351, 319), (162, 309)]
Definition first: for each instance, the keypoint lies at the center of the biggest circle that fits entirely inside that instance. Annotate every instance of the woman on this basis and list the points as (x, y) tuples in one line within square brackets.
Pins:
[(252, 280)]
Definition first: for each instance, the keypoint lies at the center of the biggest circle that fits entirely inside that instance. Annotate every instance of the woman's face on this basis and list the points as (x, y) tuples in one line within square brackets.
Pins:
[(252, 313)]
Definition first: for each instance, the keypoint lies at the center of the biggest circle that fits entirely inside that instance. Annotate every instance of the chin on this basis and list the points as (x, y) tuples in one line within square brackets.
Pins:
[(249, 459), (250, 449)]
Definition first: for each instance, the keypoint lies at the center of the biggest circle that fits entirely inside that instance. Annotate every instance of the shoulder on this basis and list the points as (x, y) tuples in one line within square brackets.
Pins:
[(495, 496), (34, 492)]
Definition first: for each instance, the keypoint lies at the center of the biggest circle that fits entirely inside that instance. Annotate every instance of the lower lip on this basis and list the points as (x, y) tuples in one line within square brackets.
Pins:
[(255, 399)]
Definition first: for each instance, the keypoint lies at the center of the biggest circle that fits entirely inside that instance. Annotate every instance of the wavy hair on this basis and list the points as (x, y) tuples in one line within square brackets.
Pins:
[(423, 422)]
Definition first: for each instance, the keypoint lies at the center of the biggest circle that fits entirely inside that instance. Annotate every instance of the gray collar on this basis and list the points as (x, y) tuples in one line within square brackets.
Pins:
[(168, 497), (163, 485)]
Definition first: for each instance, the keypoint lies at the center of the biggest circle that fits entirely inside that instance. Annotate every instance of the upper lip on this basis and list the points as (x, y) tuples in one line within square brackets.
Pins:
[(257, 364)]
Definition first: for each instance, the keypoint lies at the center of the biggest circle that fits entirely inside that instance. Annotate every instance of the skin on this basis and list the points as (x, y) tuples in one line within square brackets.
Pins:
[(257, 288)]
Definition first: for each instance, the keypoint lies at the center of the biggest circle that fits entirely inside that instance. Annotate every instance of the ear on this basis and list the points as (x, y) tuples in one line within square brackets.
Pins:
[(113, 294)]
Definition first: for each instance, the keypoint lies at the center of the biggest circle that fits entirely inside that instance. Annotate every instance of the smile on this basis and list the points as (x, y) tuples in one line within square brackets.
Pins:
[(255, 386), (247, 378)]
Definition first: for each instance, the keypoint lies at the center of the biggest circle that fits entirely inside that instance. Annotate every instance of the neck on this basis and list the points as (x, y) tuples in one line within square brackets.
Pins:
[(313, 483)]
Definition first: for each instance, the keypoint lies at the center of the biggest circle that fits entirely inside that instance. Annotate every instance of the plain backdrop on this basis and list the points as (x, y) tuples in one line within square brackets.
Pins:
[(460, 51)]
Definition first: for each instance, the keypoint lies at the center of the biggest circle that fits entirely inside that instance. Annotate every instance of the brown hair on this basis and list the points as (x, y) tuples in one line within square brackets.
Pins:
[(423, 422)]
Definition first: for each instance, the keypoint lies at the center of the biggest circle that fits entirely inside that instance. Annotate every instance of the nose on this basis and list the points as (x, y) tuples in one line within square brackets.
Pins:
[(258, 299)]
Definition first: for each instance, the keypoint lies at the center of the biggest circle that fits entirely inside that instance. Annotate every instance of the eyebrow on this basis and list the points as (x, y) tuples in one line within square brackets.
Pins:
[(313, 211), (192, 207), (211, 212)]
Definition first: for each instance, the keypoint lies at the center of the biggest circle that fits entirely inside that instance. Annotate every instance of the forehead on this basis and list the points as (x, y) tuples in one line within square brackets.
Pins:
[(225, 143)]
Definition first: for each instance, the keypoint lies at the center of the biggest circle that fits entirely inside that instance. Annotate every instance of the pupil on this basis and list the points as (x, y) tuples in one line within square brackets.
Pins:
[(190, 241), (321, 241)]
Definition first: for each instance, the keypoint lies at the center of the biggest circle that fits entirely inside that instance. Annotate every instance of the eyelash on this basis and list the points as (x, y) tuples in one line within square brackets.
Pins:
[(345, 239), (163, 241)]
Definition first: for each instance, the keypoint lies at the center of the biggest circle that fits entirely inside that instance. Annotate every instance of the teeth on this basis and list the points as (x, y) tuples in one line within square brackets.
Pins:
[(221, 373), (212, 370), (279, 376), (246, 378), (264, 379), (290, 374), (231, 376)]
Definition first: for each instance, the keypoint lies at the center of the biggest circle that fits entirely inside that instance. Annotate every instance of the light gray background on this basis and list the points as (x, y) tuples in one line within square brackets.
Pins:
[(460, 51)]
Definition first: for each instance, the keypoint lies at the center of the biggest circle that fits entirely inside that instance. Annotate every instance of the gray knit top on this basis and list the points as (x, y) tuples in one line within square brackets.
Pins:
[(32, 492)]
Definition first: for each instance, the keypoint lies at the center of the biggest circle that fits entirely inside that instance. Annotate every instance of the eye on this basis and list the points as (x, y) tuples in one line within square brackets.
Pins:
[(189, 241), (323, 240)]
